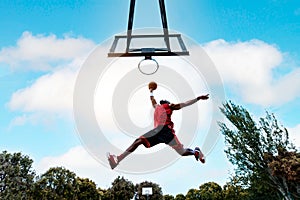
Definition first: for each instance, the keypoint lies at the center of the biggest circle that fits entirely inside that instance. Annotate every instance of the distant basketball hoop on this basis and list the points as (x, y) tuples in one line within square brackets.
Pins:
[(147, 191)]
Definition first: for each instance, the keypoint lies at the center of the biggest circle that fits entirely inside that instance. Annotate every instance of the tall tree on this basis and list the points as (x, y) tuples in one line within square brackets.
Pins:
[(233, 190), (169, 197), (87, 189), (286, 167), (104, 194), (16, 176), (121, 189), (56, 183), (210, 191), (193, 194), (248, 146), (156, 191), (179, 197)]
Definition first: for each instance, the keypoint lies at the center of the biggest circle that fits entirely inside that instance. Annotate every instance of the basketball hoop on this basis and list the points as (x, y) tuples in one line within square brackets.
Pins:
[(147, 191), (154, 44), (147, 68)]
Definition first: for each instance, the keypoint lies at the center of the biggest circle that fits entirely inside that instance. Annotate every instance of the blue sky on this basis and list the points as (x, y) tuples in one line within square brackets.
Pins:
[(43, 43)]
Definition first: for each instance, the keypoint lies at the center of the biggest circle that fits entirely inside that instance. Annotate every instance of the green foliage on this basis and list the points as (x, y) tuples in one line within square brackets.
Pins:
[(249, 147), (16, 176), (87, 189), (56, 183), (121, 189), (103, 194), (243, 143), (193, 194), (258, 191), (233, 190), (156, 191), (179, 197), (169, 197), (210, 191), (286, 166)]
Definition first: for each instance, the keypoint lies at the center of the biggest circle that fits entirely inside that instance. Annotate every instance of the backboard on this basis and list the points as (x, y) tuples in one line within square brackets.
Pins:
[(148, 45), (147, 191)]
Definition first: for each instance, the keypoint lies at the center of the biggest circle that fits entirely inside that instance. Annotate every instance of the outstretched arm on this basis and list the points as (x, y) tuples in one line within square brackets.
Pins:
[(153, 101), (188, 103)]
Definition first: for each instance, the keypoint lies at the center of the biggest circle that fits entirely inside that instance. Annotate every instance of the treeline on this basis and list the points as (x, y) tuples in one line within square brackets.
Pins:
[(19, 181), (267, 167)]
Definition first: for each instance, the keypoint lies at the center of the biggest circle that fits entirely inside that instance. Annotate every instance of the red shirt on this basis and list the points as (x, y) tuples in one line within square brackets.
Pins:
[(162, 115)]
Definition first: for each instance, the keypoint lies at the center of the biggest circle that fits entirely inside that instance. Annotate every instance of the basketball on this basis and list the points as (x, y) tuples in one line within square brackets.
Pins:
[(152, 85)]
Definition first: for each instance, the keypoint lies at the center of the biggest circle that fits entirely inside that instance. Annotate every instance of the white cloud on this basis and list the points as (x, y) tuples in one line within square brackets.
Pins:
[(294, 134), (32, 119), (50, 93), (39, 52), (247, 67), (76, 159)]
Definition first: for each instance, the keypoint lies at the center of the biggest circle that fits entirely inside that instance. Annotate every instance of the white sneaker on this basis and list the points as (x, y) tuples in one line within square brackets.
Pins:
[(113, 160), (199, 155)]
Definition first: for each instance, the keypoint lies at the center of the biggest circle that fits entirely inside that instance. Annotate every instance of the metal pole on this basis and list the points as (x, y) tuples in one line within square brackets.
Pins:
[(130, 23), (164, 23)]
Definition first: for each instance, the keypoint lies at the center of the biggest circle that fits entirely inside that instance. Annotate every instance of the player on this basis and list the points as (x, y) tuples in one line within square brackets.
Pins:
[(163, 131)]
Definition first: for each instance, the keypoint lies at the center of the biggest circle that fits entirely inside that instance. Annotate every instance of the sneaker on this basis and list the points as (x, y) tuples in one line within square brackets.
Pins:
[(199, 155), (113, 160)]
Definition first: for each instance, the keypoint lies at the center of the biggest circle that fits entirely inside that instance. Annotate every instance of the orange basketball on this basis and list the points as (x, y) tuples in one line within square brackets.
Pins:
[(152, 85)]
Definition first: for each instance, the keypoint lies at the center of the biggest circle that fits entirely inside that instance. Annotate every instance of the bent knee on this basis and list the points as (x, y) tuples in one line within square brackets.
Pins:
[(144, 141)]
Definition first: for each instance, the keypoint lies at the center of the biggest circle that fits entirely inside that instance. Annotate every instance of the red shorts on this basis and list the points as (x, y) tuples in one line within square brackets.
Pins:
[(161, 134)]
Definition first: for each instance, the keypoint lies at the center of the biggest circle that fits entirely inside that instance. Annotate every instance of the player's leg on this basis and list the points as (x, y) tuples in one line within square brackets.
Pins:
[(132, 148), (115, 160), (148, 140), (176, 144), (190, 152), (184, 151)]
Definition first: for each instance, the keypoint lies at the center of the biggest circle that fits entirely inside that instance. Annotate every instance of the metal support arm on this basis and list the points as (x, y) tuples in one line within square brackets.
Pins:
[(163, 20)]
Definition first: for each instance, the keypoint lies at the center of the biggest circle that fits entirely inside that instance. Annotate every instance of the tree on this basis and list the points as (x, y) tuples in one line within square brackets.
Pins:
[(87, 189), (104, 194), (156, 191), (193, 194), (121, 189), (210, 191), (169, 197), (16, 176), (56, 183), (180, 197), (250, 146), (286, 166), (232, 190)]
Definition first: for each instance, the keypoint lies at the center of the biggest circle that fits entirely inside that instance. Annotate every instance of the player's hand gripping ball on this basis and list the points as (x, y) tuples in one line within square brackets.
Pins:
[(152, 85)]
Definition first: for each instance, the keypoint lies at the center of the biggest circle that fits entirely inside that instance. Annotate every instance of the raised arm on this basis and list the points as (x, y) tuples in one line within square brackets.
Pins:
[(188, 103), (153, 101)]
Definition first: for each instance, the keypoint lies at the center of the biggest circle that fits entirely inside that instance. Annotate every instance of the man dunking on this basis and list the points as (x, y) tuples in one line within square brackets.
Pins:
[(163, 131)]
